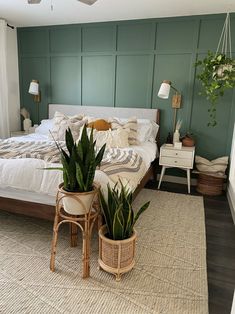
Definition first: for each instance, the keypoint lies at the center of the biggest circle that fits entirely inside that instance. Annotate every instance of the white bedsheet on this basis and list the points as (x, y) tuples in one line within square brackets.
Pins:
[(27, 180)]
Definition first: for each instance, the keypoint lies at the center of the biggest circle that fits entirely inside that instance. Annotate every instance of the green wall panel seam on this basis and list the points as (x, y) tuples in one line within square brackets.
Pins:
[(115, 81), (81, 39), (81, 80), (192, 76), (153, 74)]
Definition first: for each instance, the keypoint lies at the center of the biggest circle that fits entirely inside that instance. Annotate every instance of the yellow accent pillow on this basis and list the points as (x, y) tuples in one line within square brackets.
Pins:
[(100, 125)]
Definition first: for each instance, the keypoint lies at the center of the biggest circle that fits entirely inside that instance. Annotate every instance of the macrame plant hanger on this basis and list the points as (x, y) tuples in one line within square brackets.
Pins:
[(225, 42)]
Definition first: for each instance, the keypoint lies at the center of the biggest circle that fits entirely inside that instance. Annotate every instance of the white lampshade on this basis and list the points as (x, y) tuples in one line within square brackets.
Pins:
[(164, 90), (34, 87)]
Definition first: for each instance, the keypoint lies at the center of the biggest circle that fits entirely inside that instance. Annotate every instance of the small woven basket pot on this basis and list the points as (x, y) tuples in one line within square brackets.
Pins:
[(116, 256), (209, 185)]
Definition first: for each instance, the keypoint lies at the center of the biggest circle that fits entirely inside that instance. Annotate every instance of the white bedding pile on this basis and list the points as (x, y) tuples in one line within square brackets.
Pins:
[(24, 178)]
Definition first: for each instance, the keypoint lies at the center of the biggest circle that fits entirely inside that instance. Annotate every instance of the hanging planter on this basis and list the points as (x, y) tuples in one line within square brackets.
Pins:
[(217, 71)]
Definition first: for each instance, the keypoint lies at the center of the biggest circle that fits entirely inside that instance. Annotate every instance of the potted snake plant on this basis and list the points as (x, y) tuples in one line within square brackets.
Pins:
[(79, 163), (117, 237)]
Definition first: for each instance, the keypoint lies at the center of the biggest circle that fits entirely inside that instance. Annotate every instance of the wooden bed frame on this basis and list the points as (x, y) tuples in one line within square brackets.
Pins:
[(47, 212)]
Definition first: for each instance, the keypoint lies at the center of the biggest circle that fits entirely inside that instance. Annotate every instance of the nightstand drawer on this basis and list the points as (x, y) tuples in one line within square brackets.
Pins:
[(176, 162), (176, 153)]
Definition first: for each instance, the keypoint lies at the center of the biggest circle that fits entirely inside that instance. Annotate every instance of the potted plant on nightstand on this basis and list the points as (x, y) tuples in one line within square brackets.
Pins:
[(117, 237), (78, 165)]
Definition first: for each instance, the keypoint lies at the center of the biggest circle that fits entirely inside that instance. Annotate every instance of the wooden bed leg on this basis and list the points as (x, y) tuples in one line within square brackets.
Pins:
[(73, 234), (155, 170)]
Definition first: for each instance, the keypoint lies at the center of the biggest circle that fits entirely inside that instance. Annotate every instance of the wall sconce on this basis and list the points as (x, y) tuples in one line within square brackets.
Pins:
[(34, 90), (164, 92)]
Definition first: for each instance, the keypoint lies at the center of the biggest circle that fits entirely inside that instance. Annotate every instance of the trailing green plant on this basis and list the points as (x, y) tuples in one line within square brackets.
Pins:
[(118, 212), (79, 162), (217, 75)]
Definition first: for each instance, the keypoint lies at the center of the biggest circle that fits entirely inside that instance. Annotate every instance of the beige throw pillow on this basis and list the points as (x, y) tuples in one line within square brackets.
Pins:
[(216, 166), (63, 122), (116, 138), (131, 125)]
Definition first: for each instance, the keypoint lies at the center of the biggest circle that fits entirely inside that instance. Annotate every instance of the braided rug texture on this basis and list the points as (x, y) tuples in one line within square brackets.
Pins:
[(169, 276)]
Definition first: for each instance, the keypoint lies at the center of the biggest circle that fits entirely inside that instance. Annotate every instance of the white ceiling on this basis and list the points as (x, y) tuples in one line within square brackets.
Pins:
[(19, 13)]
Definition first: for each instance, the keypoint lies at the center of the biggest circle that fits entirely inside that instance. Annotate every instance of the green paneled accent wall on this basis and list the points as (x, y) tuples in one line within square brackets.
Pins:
[(104, 38), (176, 36), (136, 37), (71, 37), (66, 71), (134, 80), (97, 80), (122, 64), (35, 67)]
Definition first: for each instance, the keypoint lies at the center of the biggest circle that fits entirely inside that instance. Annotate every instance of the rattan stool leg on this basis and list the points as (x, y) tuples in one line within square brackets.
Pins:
[(73, 235), (54, 242), (86, 249), (118, 277)]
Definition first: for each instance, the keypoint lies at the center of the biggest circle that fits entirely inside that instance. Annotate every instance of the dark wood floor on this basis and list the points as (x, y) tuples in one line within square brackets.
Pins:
[(220, 238)]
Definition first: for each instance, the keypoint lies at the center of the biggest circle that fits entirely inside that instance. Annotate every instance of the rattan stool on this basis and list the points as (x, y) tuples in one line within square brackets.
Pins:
[(84, 222)]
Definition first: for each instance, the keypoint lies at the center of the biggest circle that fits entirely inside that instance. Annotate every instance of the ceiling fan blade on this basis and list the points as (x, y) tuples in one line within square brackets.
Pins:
[(33, 1), (89, 2)]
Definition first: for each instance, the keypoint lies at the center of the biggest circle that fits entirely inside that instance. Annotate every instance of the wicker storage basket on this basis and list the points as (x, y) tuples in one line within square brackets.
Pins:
[(116, 256), (209, 185)]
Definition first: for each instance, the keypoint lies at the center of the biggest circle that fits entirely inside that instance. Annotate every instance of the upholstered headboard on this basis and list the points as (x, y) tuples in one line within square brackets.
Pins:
[(105, 112)]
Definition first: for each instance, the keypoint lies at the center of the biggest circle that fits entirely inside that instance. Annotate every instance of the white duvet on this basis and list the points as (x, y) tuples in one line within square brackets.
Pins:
[(26, 174)]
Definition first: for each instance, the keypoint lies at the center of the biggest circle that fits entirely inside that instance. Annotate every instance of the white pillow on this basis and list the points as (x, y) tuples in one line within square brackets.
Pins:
[(147, 131), (45, 126), (62, 123), (112, 138)]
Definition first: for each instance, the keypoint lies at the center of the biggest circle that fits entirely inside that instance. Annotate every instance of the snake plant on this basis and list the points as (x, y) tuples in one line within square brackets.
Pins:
[(118, 212), (79, 162)]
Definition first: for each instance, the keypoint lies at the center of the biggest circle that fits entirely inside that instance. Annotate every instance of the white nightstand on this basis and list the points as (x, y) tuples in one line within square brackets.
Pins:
[(18, 133), (178, 158)]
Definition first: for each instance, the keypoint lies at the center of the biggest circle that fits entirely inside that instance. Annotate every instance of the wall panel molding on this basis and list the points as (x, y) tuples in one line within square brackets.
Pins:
[(123, 63)]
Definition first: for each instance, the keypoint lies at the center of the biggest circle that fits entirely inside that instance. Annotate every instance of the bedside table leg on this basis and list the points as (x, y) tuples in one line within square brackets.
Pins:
[(188, 179), (161, 176)]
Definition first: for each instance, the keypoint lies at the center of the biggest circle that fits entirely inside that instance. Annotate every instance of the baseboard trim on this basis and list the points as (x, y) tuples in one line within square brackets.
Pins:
[(180, 180), (231, 200)]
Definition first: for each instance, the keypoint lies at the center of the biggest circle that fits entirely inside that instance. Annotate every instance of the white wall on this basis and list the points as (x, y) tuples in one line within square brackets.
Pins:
[(13, 80), (231, 184)]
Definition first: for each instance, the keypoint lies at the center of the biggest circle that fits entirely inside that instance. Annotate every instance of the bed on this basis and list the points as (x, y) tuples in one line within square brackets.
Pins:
[(37, 200)]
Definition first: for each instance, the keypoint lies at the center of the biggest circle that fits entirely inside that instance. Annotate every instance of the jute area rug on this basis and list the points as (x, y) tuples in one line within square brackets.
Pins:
[(169, 276)]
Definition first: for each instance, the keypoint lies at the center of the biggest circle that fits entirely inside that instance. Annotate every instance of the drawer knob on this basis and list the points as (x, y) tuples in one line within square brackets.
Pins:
[(176, 154), (175, 161)]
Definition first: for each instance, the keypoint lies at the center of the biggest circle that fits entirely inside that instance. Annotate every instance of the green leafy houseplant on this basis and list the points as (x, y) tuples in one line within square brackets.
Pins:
[(79, 162), (118, 212), (217, 75)]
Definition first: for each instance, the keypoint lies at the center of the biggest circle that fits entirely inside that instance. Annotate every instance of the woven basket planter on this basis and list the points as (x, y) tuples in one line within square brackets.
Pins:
[(209, 185), (116, 256)]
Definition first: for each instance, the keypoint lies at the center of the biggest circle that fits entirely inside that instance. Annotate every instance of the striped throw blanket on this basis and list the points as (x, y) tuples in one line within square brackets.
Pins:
[(33, 149), (124, 164)]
